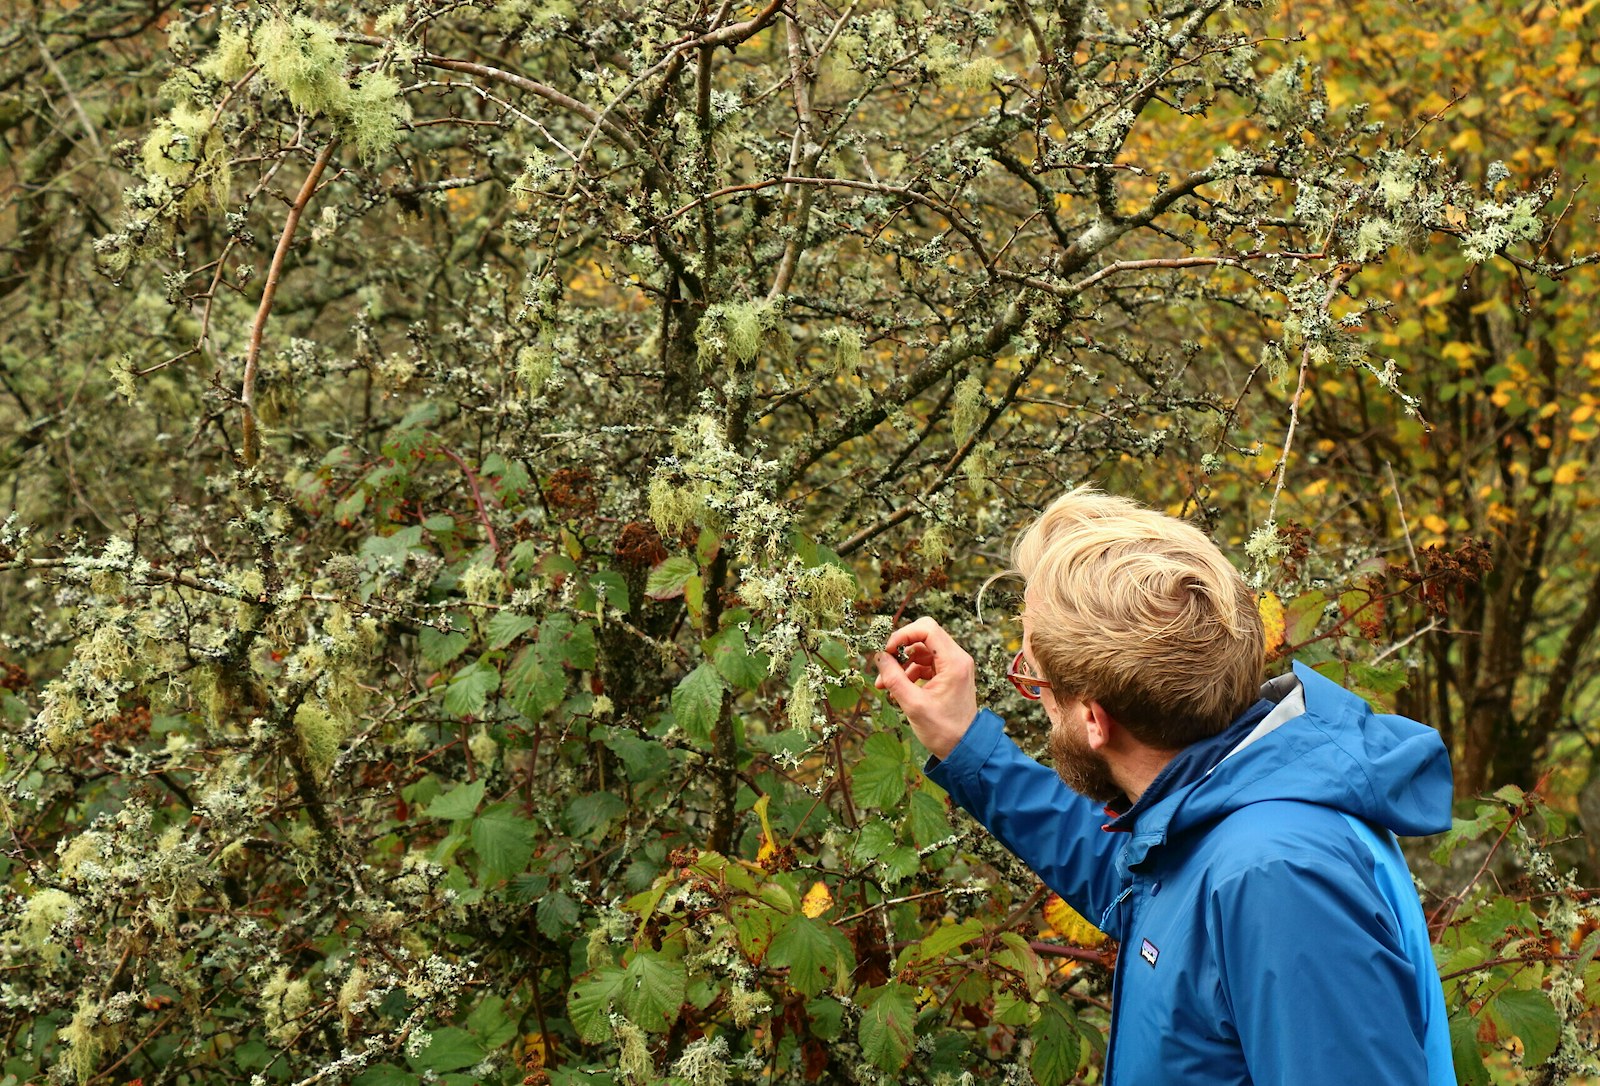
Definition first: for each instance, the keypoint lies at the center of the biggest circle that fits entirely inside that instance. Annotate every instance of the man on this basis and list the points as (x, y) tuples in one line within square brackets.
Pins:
[(1270, 930)]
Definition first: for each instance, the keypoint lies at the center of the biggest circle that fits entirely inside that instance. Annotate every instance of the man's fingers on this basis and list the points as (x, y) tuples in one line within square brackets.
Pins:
[(924, 631), (892, 677)]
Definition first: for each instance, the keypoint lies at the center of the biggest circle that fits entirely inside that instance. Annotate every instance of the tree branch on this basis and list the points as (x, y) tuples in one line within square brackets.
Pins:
[(247, 389)]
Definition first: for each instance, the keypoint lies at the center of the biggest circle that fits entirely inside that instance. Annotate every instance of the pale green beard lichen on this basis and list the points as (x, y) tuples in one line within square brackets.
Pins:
[(823, 594), (231, 59), (86, 1038), (40, 915), (351, 993), (282, 1002), (303, 58), (845, 354), (738, 330), (373, 113), (633, 1059), (320, 736), (704, 1062), (967, 409), (535, 365)]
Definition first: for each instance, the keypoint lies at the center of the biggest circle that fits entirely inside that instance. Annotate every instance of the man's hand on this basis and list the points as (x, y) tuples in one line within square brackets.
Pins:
[(941, 710)]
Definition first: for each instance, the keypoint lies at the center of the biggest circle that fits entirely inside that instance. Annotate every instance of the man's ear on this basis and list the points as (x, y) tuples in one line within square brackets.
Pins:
[(1099, 726)]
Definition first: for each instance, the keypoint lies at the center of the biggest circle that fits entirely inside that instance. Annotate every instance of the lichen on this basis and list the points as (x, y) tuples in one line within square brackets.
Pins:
[(320, 735), (302, 58), (372, 114)]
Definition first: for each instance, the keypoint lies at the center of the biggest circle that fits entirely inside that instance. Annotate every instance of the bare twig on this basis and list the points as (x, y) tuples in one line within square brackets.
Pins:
[(247, 389)]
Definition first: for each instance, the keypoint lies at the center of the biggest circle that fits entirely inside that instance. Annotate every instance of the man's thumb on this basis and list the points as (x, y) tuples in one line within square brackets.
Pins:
[(892, 677)]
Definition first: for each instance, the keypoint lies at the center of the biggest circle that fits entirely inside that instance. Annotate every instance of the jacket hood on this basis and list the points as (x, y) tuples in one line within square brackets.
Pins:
[(1320, 744)]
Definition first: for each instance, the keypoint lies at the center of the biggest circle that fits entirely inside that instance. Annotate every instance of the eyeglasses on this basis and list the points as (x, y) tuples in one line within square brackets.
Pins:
[(1029, 686)]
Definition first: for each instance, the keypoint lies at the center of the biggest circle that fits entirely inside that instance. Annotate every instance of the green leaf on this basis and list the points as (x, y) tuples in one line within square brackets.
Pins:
[(879, 779), (592, 813), (753, 924), (668, 577), (927, 819), (460, 802), (556, 915), (946, 938), (589, 1003), (614, 586), (490, 1023), (469, 691), (1530, 1016), (1302, 615), (438, 649), (506, 627), (816, 954), (451, 1049), (642, 759), (1470, 1069), (888, 1026), (653, 990), (533, 686), (742, 668), (1055, 1045), (1510, 794), (564, 640), (697, 702), (504, 841), (384, 1074)]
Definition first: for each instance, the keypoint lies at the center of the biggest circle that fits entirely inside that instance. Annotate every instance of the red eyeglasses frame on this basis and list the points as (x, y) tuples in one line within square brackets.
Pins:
[(1029, 686)]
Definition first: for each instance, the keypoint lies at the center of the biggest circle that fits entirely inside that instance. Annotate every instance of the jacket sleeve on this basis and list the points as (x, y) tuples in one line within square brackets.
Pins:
[(1025, 806), (1316, 978)]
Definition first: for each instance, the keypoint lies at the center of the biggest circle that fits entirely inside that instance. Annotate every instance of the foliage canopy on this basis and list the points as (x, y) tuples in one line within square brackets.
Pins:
[(462, 456)]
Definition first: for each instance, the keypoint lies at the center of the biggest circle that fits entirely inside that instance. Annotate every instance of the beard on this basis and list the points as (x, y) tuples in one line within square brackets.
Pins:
[(1080, 767)]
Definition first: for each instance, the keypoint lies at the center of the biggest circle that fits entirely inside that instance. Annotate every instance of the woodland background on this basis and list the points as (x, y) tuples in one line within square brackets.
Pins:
[(458, 458)]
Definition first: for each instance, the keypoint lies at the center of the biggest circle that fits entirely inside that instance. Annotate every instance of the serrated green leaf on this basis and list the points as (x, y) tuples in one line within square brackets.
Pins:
[(592, 813), (697, 702), (1530, 1016), (888, 1027), (533, 686), (460, 802), (667, 577), (1470, 1068), (879, 779), (816, 954), (945, 939), (927, 819), (734, 662), (506, 626), (468, 692), (1511, 794), (614, 586), (653, 990), (438, 649), (643, 759), (450, 1049), (1055, 1045), (490, 1023), (589, 1003), (556, 915), (754, 923), (565, 640), (504, 841)]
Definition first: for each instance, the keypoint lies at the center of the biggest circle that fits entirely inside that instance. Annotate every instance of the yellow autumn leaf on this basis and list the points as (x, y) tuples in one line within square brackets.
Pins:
[(1272, 621), (1435, 523), (1568, 473), (817, 900), (534, 1049), (769, 841), (1067, 924)]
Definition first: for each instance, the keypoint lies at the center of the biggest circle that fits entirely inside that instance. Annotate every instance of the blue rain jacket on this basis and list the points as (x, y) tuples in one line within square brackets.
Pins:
[(1270, 931)]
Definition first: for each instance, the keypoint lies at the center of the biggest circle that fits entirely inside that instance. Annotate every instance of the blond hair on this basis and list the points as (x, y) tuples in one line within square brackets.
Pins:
[(1142, 613)]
